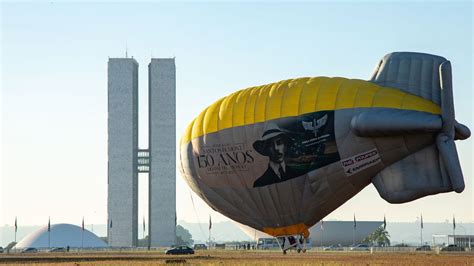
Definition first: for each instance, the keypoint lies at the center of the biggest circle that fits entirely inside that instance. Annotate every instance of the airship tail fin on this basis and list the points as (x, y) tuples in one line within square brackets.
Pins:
[(415, 73), (427, 76), (417, 175)]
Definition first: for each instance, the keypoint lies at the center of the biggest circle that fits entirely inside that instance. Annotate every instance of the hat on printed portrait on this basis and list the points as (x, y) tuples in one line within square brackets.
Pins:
[(271, 131)]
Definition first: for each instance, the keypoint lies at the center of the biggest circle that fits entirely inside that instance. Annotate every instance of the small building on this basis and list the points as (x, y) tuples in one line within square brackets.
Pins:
[(464, 241), (342, 232), (330, 233)]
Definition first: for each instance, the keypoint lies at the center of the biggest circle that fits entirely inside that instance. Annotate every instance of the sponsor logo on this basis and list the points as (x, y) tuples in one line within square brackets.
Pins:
[(360, 162), (348, 162), (315, 125), (224, 158)]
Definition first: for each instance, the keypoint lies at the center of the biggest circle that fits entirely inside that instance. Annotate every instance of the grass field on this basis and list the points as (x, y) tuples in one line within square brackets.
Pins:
[(237, 257)]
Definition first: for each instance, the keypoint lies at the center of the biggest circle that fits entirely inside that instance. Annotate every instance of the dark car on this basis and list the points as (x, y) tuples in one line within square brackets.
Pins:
[(180, 250), (29, 250), (57, 250), (423, 248), (452, 248), (360, 247)]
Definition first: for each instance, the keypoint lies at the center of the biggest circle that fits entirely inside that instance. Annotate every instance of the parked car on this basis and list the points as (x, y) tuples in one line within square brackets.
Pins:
[(423, 248), (337, 247), (57, 250), (360, 247), (268, 243), (452, 247), (180, 250), (401, 245), (200, 246), (29, 250)]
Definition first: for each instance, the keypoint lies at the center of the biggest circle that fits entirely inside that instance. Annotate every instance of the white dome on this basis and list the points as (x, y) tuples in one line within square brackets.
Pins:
[(61, 235)]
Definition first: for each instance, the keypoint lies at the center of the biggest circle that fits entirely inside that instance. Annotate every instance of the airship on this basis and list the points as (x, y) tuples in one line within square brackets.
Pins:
[(280, 157)]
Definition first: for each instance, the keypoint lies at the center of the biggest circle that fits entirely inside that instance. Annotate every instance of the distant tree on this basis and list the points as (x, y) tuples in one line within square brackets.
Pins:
[(379, 237), (183, 237), (367, 240), (382, 237)]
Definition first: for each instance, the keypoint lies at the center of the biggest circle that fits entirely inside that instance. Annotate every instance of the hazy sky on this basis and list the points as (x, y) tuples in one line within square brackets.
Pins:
[(54, 86)]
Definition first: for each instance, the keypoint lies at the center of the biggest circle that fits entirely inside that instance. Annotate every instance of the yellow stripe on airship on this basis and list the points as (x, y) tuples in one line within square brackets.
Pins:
[(299, 96)]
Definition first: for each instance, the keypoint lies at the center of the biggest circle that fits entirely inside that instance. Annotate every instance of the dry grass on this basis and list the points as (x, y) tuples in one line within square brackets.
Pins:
[(229, 257)]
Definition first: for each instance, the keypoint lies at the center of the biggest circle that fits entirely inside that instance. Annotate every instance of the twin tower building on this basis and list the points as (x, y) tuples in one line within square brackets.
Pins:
[(126, 160)]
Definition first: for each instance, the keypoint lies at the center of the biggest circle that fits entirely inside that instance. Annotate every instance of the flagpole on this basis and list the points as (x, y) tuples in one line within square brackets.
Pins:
[(322, 232), (110, 233), (353, 231), (353, 236), (421, 230), (255, 238), (82, 235), (454, 230), (49, 232), (16, 228), (143, 227), (210, 226)]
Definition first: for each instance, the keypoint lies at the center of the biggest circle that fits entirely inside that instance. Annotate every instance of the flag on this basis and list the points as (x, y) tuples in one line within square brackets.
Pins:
[(49, 224), (110, 223), (82, 223), (421, 224), (322, 224), (454, 223), (355, 223), (384, 223), (210, 222), (16, 225)]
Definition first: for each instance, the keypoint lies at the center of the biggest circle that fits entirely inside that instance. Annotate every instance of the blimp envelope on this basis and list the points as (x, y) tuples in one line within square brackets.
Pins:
[(282, 156)]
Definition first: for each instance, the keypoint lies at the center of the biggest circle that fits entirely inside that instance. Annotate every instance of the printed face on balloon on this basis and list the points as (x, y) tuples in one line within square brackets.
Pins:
[(277, 149)]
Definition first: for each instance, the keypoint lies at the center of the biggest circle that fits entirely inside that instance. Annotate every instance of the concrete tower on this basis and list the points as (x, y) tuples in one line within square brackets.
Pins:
[(122, 152), (162, 146)]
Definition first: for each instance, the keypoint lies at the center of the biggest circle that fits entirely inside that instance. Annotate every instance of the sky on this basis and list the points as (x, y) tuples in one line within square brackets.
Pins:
[(54, 86)]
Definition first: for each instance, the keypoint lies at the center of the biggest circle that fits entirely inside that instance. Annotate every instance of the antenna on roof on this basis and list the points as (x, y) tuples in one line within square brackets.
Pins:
[(126, 50)]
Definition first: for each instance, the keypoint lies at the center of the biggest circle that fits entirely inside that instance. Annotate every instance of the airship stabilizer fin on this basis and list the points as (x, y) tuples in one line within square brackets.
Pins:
[(417, 175), (394, 122), (437, 168)]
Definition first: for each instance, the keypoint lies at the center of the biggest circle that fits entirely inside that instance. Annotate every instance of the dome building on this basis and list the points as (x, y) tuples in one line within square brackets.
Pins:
[(61, 235)]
